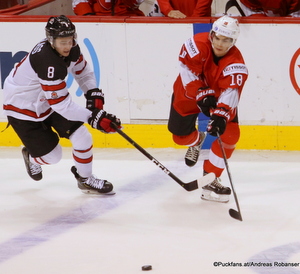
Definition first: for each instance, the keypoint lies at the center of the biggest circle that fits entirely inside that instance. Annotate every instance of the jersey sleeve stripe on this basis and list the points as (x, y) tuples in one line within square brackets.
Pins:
[(80, 71), (80, 59)]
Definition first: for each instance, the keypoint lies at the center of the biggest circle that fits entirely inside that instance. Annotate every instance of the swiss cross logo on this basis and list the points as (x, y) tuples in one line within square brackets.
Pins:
[(295, 71)]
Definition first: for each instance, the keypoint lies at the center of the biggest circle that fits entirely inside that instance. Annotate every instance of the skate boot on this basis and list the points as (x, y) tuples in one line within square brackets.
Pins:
[(192, 154), (216, 192), (33, 170), (92, 185)]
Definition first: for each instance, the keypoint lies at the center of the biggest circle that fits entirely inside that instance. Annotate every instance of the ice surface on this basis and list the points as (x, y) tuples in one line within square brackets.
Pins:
[(50, 226)]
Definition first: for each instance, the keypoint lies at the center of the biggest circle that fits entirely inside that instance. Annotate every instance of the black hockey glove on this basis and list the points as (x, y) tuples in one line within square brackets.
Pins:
[(206, 100), (102, 120), (94, 99), (218, 122)]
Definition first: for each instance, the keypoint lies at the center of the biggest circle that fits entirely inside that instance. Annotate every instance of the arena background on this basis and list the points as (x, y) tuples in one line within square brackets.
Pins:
[(136, 62)]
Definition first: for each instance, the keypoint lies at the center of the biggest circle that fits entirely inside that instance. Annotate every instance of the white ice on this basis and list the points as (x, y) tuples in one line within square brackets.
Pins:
[(51, 227)]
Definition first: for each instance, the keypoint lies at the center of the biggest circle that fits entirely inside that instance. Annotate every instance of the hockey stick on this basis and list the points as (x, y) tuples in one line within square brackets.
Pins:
[(234, 3), (233, 213), (208, 178)]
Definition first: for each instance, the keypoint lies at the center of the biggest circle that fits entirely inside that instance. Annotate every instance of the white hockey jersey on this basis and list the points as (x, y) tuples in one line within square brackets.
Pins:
[(36, 86)]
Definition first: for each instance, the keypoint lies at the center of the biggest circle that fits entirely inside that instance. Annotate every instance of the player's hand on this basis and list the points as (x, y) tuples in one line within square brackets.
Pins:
[(94, 99), (176, 14), (206, 100), (102, 120), (217, 122)]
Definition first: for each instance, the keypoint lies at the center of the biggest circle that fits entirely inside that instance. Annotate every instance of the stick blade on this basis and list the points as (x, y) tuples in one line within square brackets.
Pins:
[(235, 214), (206, 179), (191, 186)]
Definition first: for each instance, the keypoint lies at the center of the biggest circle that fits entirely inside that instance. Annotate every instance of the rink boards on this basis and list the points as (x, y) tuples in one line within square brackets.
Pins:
[(136, 62)]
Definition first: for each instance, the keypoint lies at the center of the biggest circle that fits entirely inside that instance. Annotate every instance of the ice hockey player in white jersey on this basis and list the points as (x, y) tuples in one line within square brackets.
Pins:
[(36, 101)]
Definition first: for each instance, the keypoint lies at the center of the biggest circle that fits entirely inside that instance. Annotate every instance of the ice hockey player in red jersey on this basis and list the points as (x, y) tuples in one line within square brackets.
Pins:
[(271, 8), (183, 8), (36, 101), (107, 7), (211, 77)]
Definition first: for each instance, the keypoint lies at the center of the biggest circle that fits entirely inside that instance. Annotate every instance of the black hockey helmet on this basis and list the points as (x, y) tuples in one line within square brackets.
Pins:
[(60, 26)]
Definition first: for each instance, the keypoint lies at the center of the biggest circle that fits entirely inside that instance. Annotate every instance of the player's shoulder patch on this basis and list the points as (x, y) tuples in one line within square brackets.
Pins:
[(235, 68), (191, 47)]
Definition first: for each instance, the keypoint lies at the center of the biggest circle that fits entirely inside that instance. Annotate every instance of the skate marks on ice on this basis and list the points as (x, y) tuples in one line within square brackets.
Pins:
[(278, 260), (134, 179), (96, 206), (166, 213)]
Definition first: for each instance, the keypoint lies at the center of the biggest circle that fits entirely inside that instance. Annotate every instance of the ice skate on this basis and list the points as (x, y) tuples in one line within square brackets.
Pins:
[(192, 154), (33, 170), (216, 192), (92, 185)]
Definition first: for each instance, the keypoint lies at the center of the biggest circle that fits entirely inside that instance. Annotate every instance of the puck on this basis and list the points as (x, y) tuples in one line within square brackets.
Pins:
[(147, 267)]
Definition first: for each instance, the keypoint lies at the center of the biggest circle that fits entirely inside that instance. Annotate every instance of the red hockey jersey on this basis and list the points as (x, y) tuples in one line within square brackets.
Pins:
[(273, 7), (104, 7), (192, 8), (198, 69)]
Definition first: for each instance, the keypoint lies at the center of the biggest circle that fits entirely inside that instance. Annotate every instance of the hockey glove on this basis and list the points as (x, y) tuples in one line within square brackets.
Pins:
[(206, 100), (218, 122), (94, 99), (102, 120)]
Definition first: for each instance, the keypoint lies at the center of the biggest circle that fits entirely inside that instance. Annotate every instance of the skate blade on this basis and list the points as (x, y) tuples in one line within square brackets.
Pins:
[(95, 192), (208, 195)]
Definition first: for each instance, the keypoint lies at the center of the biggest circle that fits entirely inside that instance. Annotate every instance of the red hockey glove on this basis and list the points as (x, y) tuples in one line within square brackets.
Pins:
[(206, 100), (102, 120), (218, 122), (94, 99)]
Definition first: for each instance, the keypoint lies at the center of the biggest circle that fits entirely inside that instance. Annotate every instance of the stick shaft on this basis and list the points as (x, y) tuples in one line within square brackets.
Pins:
[(229, 175), (189, 186)]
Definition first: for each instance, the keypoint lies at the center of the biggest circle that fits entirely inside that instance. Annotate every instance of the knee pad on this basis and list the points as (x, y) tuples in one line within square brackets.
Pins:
[(81, 138), (53, 157), (187, 140), (232, 134)]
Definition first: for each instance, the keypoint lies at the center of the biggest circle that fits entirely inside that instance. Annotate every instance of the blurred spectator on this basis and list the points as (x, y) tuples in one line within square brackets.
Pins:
[(154, 11), (107, 7), (5, 4), (270, 8), (185, 8)]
